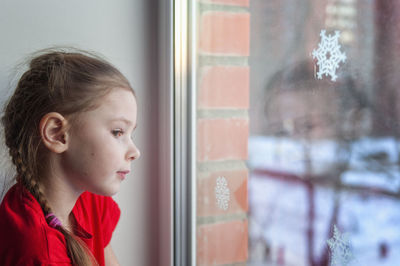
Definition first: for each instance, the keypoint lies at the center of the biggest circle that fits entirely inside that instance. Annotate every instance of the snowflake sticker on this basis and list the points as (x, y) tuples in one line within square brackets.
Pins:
[(328, 55), (340, 248), (222, 193)]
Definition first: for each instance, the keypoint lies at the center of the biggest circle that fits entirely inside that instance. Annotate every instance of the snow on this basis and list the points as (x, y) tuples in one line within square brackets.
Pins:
[(279, 209)]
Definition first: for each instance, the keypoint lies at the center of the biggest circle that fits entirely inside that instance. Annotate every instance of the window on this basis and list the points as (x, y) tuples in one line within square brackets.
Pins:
[(296, 126)]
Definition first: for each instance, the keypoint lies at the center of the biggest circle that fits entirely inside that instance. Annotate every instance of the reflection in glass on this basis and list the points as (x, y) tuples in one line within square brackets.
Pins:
[(323, 154)]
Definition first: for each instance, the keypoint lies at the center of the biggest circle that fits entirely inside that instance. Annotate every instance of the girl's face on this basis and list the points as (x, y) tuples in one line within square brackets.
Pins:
[(303, 114), (101, 148)]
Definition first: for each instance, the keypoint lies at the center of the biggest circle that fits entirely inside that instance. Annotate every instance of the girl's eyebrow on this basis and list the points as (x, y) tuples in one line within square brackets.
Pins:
[(126, 121)]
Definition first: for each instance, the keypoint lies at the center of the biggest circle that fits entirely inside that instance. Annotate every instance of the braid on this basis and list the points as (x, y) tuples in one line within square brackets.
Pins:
[(31, 184), (77, 249)]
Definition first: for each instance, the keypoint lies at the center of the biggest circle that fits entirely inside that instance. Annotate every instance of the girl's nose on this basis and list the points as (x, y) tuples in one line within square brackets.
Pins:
[(133, 153)]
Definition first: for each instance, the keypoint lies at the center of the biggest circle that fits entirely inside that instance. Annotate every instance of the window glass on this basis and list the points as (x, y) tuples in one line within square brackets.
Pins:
[(323, 145)]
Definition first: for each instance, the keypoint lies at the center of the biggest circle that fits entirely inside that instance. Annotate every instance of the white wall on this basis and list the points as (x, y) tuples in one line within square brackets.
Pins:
[(125, 31)]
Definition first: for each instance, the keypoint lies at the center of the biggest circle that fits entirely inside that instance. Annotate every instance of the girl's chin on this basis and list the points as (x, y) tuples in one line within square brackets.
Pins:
[(109, 191)]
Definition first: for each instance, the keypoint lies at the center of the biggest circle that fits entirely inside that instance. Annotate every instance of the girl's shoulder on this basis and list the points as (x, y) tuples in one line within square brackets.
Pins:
[(24, 233), (20, 211)]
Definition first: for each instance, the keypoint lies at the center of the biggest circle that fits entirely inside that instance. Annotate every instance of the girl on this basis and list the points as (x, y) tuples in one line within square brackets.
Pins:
[(68, 129)]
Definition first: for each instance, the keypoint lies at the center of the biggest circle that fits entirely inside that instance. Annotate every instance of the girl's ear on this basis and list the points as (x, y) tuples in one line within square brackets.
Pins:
[(53, 130)]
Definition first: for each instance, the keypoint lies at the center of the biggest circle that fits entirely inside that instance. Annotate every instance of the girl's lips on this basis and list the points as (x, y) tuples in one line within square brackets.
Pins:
[(122, 174)]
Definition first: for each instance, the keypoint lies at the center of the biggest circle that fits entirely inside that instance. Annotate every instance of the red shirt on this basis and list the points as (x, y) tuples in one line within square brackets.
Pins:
[(27, 239)]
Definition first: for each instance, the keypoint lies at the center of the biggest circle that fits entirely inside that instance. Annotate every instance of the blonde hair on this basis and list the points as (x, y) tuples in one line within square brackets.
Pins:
[(67, 82)]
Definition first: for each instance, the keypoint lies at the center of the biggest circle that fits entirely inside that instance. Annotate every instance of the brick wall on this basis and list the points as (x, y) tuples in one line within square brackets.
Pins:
[(222, 131)]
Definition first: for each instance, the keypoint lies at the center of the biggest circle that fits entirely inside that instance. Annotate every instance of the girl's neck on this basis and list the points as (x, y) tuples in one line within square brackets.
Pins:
[(61, 197)]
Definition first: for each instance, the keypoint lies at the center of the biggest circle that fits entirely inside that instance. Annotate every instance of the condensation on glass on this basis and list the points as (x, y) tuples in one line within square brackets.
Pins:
[(324, 182)]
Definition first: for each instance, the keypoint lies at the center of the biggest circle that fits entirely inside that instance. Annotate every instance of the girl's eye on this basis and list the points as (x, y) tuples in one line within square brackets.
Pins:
[(117, 132)]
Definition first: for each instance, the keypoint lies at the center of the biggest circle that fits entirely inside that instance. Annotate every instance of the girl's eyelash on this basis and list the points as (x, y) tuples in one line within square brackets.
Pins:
[(117, 132)]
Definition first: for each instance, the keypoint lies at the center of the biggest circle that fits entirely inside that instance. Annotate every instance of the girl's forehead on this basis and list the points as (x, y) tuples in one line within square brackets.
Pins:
[(117, 104), (118, 94), (118, 100)]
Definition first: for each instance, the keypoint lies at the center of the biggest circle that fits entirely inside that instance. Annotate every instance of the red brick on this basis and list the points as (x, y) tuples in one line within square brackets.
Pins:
[(229, 2), (225, 33), (224, 87), (222, 243), (222, 139), (237, 185)]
